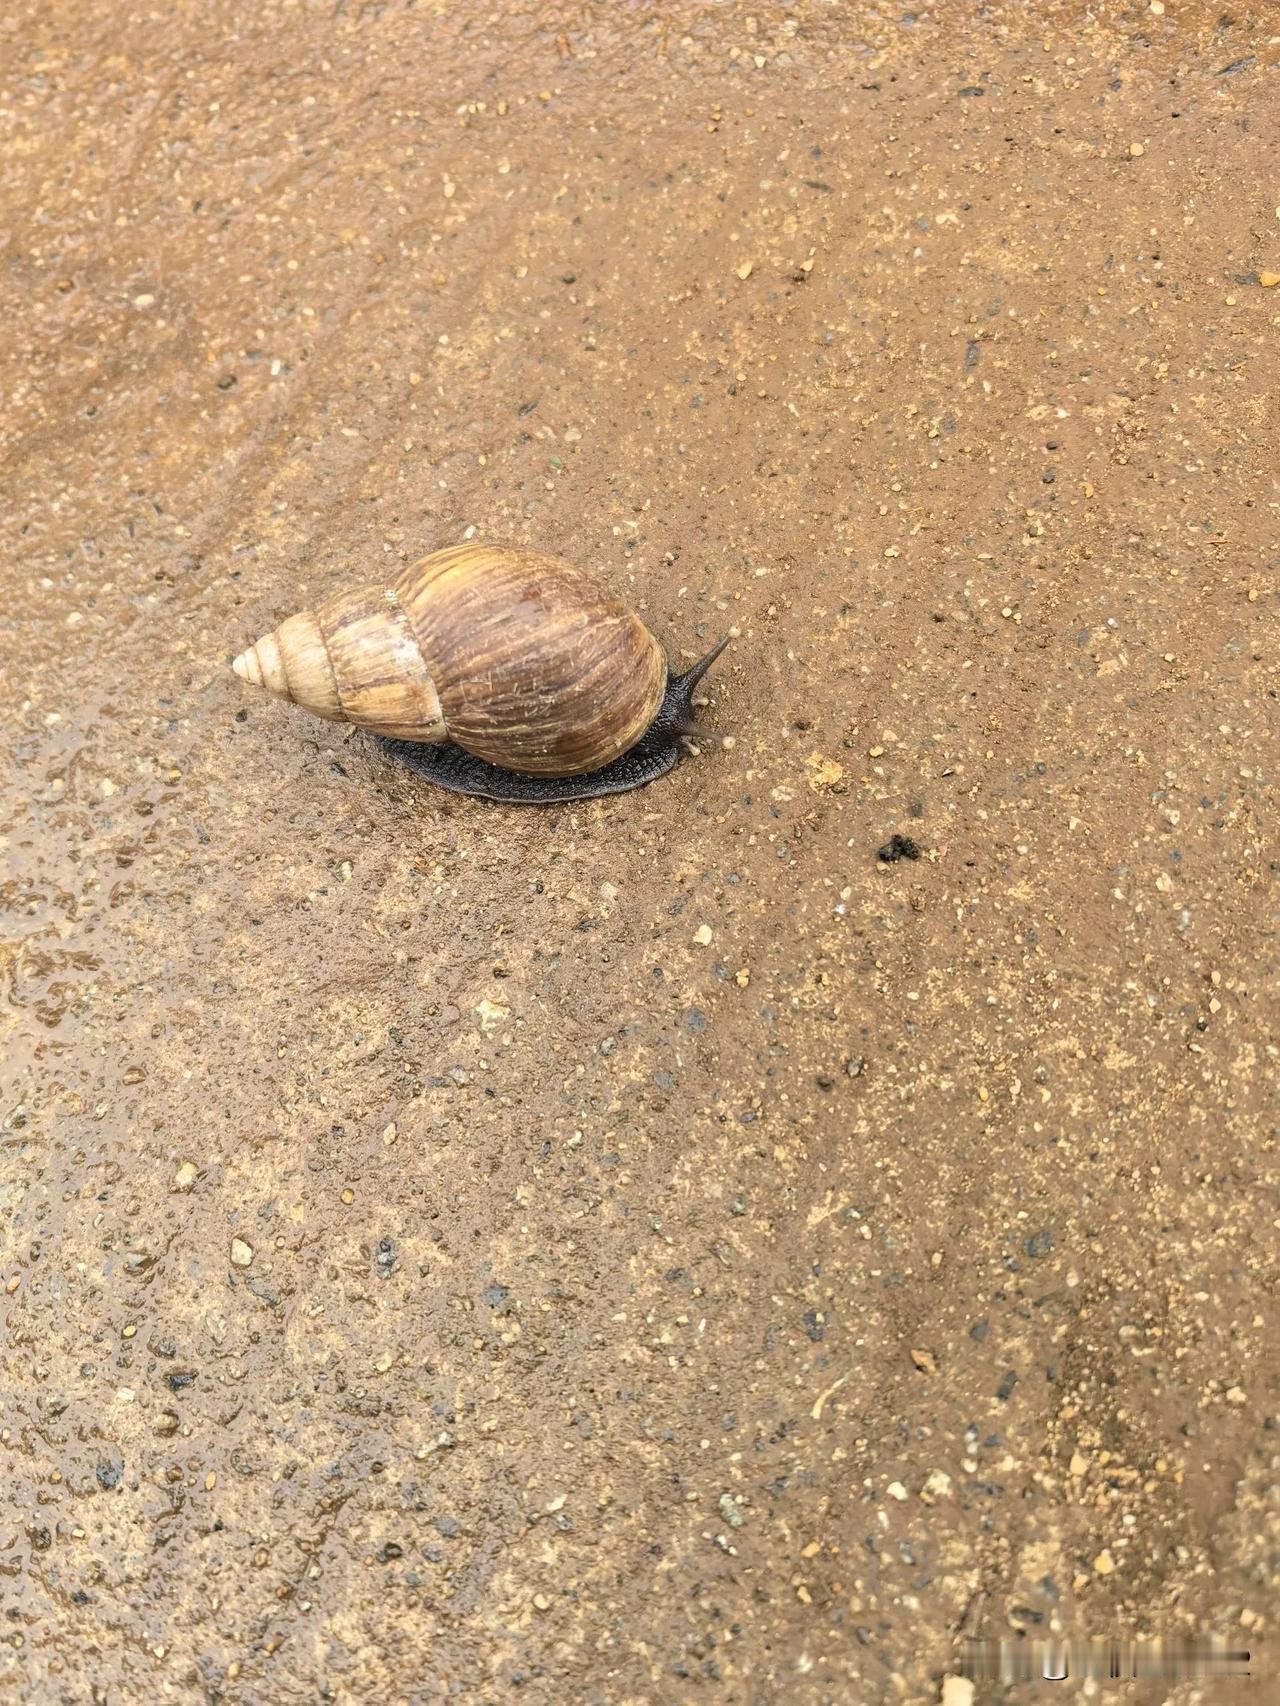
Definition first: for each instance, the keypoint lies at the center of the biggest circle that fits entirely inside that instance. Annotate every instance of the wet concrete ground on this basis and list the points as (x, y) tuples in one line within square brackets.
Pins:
[(651, 1250)]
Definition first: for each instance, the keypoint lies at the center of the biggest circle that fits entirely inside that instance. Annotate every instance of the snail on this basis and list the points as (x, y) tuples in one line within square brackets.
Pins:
[(493, 671)]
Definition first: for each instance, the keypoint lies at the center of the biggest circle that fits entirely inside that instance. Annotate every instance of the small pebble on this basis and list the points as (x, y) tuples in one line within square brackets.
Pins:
[(184, 1179), (703, 935), (730, 1512), (241, 1253)]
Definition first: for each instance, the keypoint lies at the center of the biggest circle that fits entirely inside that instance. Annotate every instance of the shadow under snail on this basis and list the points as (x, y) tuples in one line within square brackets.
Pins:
[(492, 671)]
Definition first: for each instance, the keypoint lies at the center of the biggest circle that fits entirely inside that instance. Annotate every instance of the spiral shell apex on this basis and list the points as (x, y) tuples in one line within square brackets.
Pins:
[(519, 658), (351, 659)]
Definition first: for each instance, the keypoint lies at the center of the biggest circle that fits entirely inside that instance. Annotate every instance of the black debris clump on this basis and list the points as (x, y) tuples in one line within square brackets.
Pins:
[(898, 847)]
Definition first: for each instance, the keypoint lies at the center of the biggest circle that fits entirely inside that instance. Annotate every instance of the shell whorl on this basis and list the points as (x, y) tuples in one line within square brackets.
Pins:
[(539, 668), (293, 663), (519, 658), (352, 659)]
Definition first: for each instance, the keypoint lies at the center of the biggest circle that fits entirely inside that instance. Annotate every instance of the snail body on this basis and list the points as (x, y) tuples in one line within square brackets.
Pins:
[(491, 670)]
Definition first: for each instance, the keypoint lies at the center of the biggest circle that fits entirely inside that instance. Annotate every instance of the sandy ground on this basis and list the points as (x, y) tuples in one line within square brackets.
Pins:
[(649, 1251)]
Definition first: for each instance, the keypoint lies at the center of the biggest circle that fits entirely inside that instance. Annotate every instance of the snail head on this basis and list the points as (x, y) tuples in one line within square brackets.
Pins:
[(676, 716)]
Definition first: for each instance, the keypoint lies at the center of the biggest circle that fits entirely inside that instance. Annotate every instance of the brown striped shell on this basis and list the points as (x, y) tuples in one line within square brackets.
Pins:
[(517, 657)]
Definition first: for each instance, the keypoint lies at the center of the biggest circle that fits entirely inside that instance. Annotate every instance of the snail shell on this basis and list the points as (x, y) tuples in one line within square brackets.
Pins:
[(519, 658)]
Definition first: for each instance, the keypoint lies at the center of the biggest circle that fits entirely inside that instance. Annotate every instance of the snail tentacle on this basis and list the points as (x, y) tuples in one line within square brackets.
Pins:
[(676, 712)]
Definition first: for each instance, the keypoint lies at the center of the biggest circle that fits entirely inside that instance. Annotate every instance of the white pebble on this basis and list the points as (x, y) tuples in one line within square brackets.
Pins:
[(957, 1691)]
